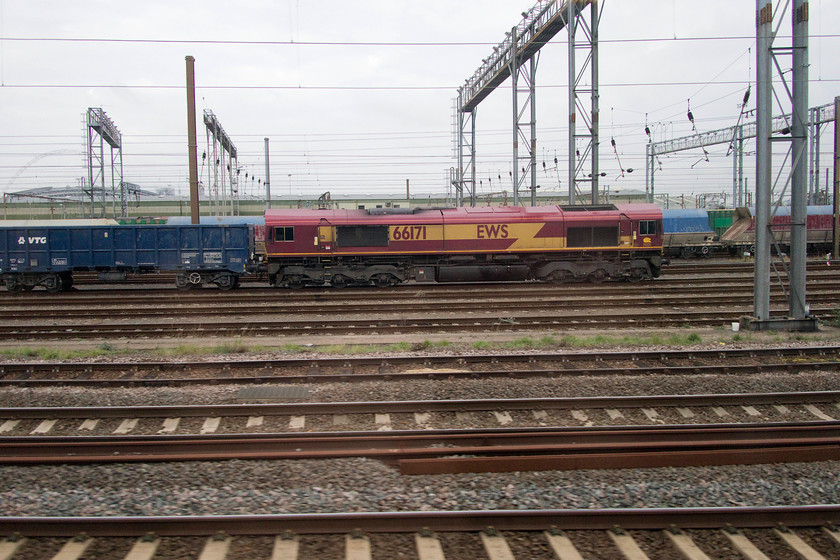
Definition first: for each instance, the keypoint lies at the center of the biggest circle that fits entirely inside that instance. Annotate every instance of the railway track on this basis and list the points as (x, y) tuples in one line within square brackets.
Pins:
[(249, 291), (822, 294), (766, 532), (461, 451), (42, 422), (274, 327), (527, 533), (706, 300), (678, 267), (323, 369)]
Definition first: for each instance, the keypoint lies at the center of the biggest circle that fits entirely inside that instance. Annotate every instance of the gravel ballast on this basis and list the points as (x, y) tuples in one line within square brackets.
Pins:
[(356, 485)]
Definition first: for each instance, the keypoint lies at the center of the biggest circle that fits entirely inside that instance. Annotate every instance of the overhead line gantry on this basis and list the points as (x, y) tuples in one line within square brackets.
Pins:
[(517, 57), (736, 135)]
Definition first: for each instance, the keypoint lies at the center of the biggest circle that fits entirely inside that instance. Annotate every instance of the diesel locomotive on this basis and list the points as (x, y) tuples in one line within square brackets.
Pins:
[(388, 246)]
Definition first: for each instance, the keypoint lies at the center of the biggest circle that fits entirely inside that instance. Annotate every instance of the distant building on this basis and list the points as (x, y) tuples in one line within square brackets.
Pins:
[(72, 202)]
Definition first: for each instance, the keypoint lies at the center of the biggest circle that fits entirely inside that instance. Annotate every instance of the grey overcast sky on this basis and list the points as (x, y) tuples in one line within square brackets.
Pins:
[(356, 96)]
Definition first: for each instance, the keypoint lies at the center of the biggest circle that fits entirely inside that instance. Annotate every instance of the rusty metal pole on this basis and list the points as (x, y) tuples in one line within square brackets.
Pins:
[(267, 178), (192, 141)]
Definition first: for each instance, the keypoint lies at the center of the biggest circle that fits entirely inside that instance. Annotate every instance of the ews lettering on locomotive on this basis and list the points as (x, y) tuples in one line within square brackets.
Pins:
[(492, 231)]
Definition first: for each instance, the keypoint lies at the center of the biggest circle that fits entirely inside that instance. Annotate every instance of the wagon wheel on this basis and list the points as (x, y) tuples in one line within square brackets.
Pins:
[(183, 283), (67, 277), (226, 281), (14, 285), (54, 284), (194, 278)]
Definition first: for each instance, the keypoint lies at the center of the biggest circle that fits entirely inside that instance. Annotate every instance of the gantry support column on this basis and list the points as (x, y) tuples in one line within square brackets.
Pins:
[(590, 118), (798, 318), (797, 308), (764, 93), (464, 177), (98, 122), (524, 125)]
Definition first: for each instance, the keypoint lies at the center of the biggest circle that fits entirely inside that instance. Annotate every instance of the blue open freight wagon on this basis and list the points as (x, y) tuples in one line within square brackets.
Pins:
[(199, 254)]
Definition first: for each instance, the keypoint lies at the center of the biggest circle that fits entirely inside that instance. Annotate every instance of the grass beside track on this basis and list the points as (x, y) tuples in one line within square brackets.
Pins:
[(672, 339)]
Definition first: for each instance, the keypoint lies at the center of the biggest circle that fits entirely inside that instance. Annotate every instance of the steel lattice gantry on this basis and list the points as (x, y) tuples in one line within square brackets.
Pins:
[(222, 176), (516, 57), (97, 121), (737, 135)]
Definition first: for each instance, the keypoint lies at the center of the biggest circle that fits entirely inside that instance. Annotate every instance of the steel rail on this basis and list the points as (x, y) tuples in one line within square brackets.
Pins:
[(394, 325), (386, 373), (462, 405), (252, 290), (439, 521), (458, 451), (410, 360), (740, 370), (826, 295)]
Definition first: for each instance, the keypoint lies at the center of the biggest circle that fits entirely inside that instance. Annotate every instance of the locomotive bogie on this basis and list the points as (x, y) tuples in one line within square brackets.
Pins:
[(298, 276)]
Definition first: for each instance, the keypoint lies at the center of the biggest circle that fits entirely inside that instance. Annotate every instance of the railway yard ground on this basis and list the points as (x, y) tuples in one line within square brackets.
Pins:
[(631, 421)]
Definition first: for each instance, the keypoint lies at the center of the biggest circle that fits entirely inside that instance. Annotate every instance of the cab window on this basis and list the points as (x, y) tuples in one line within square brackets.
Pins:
[(647, 227), (284, 234)]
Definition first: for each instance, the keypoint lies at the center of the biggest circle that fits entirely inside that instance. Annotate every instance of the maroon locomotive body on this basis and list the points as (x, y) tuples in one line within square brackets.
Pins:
[(389, 246)]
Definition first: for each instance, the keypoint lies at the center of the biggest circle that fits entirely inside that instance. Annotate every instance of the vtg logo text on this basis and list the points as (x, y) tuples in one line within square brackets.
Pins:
[(32, 240)]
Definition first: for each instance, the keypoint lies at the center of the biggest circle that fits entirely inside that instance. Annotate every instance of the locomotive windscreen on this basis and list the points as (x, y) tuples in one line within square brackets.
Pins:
[(362, 236), (592, 237)]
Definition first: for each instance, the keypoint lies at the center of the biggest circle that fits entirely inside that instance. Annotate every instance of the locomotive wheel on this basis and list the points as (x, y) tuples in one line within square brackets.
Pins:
[(560, 277), (384, 280), (636, 275), (296, 282), (340, 281), (597, 276)]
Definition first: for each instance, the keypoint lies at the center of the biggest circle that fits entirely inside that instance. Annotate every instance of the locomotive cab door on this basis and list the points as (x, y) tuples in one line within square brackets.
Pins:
[(627, 232), (646, 234), (326, 236)]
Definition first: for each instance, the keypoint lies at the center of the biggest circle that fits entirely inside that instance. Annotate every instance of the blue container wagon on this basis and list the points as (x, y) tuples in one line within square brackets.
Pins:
[(199, 254), (686, 232)]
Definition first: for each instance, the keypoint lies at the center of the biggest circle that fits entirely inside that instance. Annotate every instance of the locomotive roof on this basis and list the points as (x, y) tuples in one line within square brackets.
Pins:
[(419, 215)]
